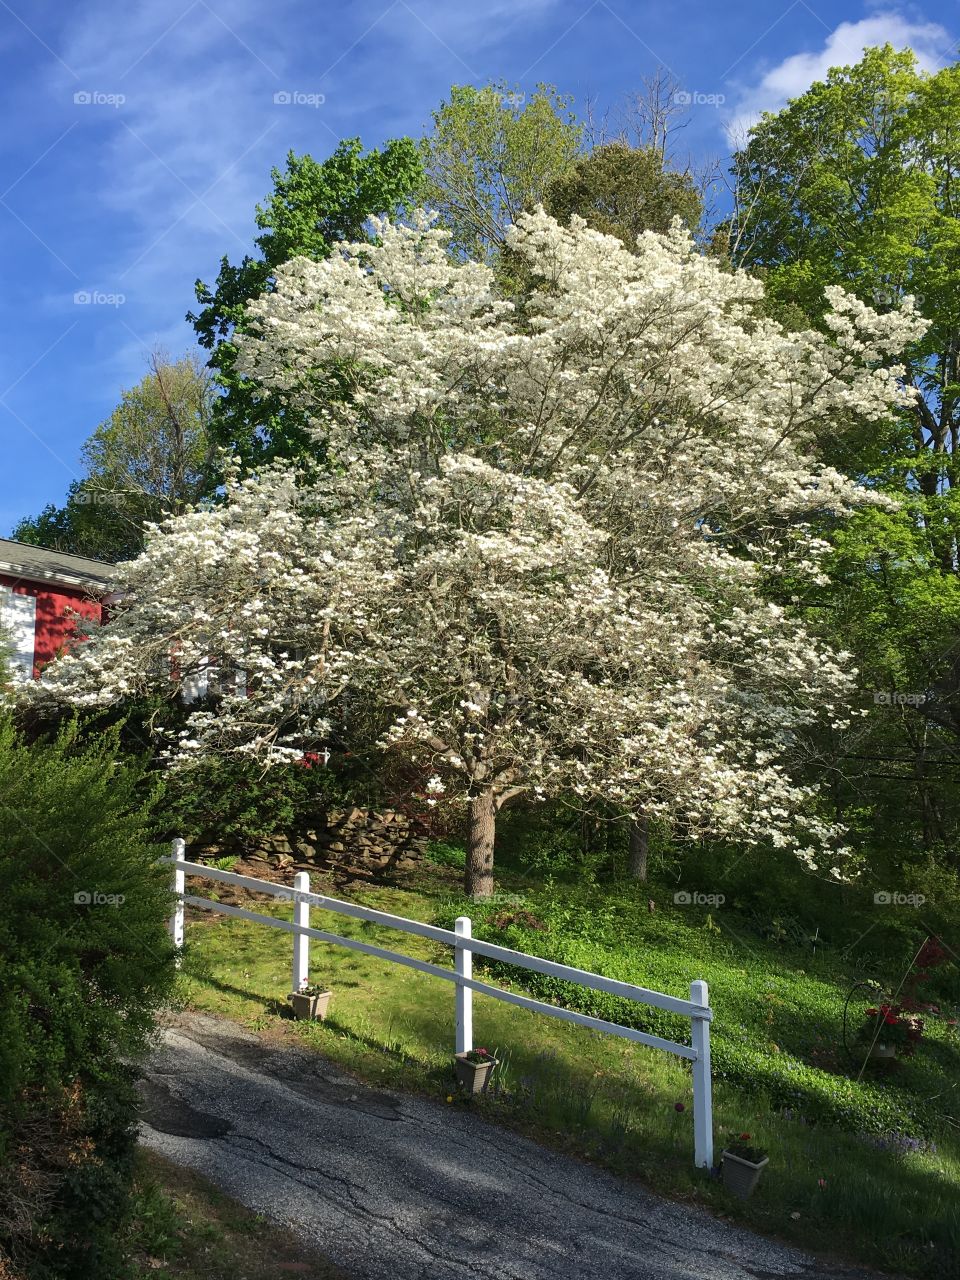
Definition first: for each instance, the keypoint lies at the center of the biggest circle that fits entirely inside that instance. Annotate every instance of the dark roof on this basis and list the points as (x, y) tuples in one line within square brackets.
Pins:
[(40, 564)]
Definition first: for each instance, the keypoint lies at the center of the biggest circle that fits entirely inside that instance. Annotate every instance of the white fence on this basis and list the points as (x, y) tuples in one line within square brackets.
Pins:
[(464, 946)]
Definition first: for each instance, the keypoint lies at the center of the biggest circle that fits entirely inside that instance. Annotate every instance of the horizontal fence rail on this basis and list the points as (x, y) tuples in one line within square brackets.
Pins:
[(697, 1008)]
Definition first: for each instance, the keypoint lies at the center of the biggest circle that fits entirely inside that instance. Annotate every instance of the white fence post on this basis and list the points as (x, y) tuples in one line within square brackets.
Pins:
[(178, 850), (702, 1092), (463, 964), (301, 941)]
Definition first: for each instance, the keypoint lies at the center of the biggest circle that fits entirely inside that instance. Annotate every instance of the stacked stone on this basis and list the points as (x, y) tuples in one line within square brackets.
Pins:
[(363, 839)]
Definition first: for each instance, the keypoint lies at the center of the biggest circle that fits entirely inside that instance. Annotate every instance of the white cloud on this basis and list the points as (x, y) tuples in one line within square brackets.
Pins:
[(199, 118), (792, 77)]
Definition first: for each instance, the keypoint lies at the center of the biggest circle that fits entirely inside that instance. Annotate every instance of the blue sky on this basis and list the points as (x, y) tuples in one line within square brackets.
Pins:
[(140, 136)]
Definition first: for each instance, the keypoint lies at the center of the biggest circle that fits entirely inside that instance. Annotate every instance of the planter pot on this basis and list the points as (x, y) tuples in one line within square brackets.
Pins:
[(473, 1077), (309, 1008), (884, 1051), (741, 1176)]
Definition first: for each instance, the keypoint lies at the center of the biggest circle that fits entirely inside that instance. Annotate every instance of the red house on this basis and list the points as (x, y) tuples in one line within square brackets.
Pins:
[(40, 591)]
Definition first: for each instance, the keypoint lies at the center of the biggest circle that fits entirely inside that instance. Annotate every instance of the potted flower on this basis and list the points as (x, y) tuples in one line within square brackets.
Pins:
[(310, 1002), (890, 1030), (742, 1165), (473, 1069)]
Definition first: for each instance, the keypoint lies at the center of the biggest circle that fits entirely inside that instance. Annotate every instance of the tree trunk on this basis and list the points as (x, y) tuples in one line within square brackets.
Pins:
[(638, 849), (478, 880)]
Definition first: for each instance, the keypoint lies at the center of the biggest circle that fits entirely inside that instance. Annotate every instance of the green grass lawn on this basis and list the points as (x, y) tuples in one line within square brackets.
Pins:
[(870, 1169)]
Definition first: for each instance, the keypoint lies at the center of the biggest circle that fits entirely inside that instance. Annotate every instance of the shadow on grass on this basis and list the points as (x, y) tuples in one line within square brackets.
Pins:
[(422, 1074), (270, 1004)]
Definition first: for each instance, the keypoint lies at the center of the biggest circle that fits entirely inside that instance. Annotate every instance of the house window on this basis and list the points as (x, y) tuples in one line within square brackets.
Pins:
[(213, 679)]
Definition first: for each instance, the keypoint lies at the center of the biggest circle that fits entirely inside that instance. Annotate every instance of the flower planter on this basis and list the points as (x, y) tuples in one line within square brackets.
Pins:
[(884, 1051), (473, 1077), (309, 1008), (741, 1176)]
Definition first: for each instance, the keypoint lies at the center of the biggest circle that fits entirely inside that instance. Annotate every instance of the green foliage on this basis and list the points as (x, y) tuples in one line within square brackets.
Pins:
[(85, 960), (540, 837), (624, 191), (182, 1228), (853, 184), (779, 1031), (238, 803), (492, 154), (313, 204), (442, 854), (154, 449), (849, 184), (81, 527), (552, 838)]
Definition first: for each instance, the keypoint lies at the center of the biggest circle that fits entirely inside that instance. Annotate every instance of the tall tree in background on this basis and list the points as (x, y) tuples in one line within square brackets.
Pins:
[(624, 191), (491, 156), (313, 205), (153, 457), (857, 182)]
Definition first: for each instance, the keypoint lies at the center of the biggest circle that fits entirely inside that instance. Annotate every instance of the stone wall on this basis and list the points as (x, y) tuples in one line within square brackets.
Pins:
[(361, 839)]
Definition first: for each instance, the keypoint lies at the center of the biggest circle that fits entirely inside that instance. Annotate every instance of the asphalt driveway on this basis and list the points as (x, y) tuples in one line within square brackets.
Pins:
[(401, 1188)]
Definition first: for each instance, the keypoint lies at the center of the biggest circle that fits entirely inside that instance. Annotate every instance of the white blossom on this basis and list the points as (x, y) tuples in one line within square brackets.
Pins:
[(538, 550)]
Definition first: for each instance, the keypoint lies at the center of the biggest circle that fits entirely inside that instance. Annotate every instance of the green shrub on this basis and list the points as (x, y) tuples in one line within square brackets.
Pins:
[(84, 962), (237, 804)]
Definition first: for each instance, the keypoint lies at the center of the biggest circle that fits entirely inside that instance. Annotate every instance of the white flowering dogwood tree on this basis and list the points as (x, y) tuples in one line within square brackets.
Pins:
[(539, 545)]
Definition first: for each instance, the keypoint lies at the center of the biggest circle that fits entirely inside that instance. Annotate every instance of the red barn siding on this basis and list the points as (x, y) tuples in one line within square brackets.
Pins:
[(56, 627)]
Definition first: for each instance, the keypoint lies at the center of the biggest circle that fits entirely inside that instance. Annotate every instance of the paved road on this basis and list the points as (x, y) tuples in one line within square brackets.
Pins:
[(402, 1188)]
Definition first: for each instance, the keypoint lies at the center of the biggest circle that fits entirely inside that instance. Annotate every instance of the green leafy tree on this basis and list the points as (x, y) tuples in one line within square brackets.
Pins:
[(492, 155), (856, 183), (624, 191), (152, 457), (313, 205)]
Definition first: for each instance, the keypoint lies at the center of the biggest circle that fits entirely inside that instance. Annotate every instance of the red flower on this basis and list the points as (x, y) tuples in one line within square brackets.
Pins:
[(890, 1020), (678, 1106), (871, 1013), (744, 1137)]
